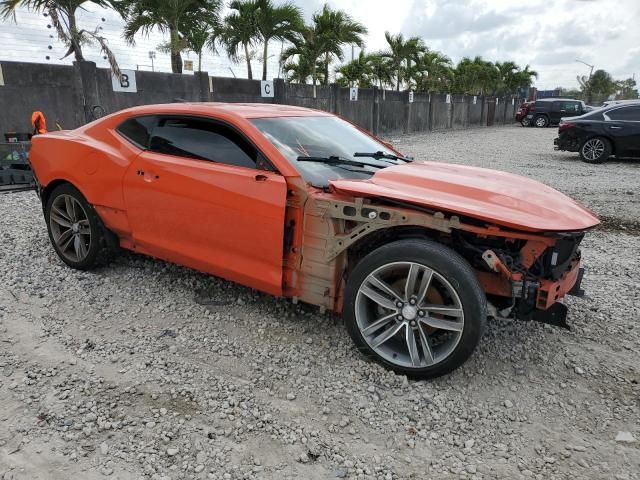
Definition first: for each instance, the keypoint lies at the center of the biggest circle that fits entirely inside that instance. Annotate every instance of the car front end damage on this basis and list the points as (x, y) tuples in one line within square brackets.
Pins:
[(526, 278), (524, 274)]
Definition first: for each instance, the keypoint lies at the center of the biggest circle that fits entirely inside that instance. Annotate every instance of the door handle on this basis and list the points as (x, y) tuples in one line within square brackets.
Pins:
[(260, 178), (615, 127)]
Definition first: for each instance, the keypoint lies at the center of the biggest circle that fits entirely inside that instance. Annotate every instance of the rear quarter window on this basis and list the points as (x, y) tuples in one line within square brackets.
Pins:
[(138, 130)]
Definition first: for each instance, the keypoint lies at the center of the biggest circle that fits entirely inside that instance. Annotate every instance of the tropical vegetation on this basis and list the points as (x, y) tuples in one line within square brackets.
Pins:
[(63, 17), (309, 53)]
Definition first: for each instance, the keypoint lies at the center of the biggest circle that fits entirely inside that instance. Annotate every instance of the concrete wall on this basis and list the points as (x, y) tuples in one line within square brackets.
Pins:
[(440, 112), (29, 87), (74, 95), (392, 107), (419, 113)]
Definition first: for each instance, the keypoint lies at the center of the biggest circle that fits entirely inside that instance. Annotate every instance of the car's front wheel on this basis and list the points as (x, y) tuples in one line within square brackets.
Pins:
[(595, 150), (73, 226), (541, 121), (525, 122), (416, 307)]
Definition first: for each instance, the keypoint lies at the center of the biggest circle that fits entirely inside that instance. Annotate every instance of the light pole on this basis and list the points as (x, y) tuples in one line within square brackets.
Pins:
[(152, 56), (588, 89), (588, 65)]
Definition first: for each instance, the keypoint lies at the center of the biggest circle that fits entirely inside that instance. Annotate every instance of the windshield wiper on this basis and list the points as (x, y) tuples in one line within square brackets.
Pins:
[(335, 160), (379, 155)]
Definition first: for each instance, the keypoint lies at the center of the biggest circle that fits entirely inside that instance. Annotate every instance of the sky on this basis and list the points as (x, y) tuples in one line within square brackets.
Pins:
[(548, 35)]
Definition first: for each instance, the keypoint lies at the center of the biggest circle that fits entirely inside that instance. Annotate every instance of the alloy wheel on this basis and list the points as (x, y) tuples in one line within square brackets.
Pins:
[(70, 228), (409, 314), (593, 149), (541, 122)]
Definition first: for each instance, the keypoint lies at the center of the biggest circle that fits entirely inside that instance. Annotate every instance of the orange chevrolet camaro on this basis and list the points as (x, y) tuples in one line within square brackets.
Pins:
[(300, 203)]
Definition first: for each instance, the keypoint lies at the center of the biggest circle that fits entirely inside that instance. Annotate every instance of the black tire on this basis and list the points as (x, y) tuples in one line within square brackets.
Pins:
[(448, 264), (595, 150), (525, 122), (96, 242), (541, 121)]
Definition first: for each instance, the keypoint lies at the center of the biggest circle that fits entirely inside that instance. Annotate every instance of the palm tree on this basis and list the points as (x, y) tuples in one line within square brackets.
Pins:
[(63, 18), (175, 17), (475, 77), (401, 53), (381, 70), (203, 36), (336, 28), (304, 53), (432, 71), (357, 72), (240, 31), (282, 22)]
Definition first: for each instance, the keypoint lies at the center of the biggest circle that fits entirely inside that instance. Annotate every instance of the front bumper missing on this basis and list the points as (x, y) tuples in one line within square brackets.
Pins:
[(548, 292)]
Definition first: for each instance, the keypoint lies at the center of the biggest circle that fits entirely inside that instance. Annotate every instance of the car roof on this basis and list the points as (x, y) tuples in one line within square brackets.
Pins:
[(557, 98), (244, 110)]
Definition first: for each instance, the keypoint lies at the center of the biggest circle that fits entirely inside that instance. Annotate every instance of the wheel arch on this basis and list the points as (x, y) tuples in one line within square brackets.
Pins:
[(378, 238), (109, 236)]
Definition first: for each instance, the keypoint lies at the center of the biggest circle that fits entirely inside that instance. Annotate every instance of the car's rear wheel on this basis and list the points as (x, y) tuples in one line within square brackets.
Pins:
[(416, 307), (74, 228), (541, 121), (595, 150), (525, 122)]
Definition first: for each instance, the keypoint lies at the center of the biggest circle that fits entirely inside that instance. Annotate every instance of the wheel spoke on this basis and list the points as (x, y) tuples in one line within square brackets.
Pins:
[(412, 346), (451, 325), (368, 290), (386, 335), (426, 346), (377, 325), (69, 240), (79, 247), (63, 238), (71, 212), (450, 311), (60, 212), (59, 219), (424, 284)]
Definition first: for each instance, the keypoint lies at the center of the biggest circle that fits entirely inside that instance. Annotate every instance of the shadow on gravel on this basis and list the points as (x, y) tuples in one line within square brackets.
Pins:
[(574, 157), (621, 225)]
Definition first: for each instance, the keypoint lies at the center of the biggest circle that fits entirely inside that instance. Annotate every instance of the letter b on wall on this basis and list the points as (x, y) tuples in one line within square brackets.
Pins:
[(125, 83)]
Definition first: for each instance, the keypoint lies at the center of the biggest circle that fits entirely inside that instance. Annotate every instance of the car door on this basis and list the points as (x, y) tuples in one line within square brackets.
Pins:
[(203, 196), (622, 124), (555, 112)]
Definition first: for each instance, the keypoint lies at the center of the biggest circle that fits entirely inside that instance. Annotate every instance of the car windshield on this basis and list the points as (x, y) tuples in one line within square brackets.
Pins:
[(316, 146)]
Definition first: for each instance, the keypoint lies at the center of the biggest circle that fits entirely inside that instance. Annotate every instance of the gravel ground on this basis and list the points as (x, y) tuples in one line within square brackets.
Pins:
[(145, 370)]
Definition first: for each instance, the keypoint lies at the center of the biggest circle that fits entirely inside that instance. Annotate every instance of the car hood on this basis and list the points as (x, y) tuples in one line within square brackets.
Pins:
[(490, 195)]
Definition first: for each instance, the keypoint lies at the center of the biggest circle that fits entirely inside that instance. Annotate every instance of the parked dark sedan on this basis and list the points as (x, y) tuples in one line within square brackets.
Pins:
[(599, 134)]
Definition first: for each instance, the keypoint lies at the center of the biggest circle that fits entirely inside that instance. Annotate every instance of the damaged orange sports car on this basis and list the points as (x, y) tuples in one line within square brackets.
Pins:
[(300, 203)]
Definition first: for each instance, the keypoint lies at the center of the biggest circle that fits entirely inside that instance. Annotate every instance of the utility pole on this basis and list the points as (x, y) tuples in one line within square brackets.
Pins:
[(152, 56)]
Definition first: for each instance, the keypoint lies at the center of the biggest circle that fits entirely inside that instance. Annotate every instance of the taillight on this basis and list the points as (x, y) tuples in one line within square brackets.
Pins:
[(565, 126)]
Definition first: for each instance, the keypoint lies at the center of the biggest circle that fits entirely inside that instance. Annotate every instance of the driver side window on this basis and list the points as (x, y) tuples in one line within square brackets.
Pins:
[(203, 139)]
